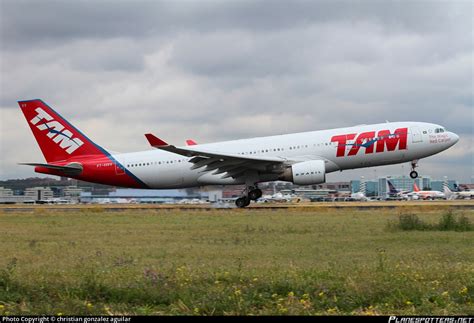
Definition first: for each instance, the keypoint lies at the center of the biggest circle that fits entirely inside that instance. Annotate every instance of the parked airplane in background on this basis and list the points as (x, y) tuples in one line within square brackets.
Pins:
[(358, 196), (469, 194), (427, 195), (278, 197), (302, 158), (393, 192)]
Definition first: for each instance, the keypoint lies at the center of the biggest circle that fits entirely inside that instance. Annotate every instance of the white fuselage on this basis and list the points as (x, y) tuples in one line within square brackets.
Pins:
[(469, 193), (363, 146), (428, 194)]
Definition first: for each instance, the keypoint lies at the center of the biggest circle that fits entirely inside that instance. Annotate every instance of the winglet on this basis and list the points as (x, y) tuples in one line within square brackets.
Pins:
[(155, 141), (190, 142)]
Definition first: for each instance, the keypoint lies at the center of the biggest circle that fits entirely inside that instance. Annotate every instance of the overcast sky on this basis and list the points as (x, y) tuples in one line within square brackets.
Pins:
[(219, 70)]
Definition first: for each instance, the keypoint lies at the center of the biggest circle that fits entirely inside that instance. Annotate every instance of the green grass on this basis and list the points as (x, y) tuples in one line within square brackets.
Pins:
[(447, 222), (232, 262)]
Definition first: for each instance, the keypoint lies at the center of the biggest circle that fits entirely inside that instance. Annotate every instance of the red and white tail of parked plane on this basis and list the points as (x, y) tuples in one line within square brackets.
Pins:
[(302, 158)]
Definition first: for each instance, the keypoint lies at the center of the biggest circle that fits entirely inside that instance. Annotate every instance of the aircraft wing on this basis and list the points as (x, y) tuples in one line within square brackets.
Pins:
[(233, 165)]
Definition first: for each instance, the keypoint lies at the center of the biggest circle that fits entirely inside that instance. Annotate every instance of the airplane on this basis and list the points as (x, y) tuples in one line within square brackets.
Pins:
[(278, 197), (393, 192), (469, 194), (359, 196), (301, 158), (426, 195)]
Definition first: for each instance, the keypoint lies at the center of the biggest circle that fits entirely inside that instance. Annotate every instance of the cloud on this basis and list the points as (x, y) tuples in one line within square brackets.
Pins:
[(216, 71)]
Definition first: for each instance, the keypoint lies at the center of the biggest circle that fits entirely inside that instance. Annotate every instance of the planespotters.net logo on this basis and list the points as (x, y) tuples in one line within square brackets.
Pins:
[(66, 319), (396, 319)]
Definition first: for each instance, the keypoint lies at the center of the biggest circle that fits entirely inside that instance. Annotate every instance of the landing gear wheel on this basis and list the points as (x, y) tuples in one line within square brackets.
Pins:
[(247, 201), (414, 173), (242, 202), (255, 194)]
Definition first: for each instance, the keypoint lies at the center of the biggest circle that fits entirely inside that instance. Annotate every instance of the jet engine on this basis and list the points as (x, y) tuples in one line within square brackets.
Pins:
[(305, 173)]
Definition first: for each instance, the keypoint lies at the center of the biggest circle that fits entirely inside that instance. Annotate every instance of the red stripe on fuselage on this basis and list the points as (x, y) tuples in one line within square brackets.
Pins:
[(100, 170)]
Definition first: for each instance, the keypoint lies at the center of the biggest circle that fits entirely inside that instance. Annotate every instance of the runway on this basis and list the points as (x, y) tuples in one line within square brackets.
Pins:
[(304, 206)]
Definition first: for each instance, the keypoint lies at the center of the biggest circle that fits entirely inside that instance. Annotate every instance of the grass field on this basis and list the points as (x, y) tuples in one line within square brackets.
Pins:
[(238, 262)]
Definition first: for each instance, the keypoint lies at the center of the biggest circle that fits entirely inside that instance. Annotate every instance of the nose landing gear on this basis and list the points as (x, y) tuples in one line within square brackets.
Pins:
[(414, 173)]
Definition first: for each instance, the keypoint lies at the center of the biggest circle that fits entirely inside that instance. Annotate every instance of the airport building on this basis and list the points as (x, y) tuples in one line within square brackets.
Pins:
[(379, 187), (74, 194), (71, 193), (7, 196), (370, 187), (126, 195), (314, 194), (5, 192), (39, 194)]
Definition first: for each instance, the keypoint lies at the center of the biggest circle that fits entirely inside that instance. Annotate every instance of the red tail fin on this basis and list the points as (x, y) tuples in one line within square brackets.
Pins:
[(57, 138), (415, 187)]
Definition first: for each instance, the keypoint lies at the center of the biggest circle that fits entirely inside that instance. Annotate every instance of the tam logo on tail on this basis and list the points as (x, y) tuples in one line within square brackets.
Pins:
[(56, 131)]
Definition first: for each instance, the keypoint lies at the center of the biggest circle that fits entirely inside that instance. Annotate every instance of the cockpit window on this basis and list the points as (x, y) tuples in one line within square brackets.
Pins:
[(439, 130)]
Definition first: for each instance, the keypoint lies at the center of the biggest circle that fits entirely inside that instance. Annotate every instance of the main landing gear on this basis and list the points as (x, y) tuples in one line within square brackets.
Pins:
[(414, 173), (250, 193)]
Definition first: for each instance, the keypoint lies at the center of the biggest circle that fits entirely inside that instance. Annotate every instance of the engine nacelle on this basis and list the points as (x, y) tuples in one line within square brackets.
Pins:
[(306, 173)]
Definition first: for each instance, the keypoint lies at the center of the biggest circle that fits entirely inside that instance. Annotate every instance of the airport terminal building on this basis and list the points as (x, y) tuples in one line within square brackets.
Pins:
[(378, 188)]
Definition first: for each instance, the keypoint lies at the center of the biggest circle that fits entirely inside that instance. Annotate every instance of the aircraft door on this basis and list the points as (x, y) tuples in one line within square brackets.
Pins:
[(119, 170), (416, 134)]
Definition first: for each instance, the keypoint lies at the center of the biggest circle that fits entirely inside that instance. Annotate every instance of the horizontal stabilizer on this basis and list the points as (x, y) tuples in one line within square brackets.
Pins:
[(69, 169)]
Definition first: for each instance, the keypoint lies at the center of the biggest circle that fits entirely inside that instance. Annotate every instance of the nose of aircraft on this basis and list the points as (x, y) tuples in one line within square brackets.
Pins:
[(454, 137)]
